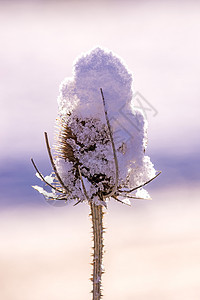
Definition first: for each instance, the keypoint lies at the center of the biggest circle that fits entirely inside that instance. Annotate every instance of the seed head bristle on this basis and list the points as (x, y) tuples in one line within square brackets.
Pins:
[(62, 148)]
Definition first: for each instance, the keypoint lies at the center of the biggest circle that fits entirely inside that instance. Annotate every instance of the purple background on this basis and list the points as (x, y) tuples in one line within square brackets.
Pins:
[(152, 248)]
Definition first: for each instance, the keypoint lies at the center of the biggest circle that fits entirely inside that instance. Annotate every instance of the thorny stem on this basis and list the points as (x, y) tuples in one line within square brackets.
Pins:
[(97, 226)]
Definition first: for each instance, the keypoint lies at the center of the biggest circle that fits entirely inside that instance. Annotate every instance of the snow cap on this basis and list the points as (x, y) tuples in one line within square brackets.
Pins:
[(94, 70)]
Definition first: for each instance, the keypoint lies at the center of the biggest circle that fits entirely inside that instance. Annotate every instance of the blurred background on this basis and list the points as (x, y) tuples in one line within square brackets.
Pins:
[(152, 248)]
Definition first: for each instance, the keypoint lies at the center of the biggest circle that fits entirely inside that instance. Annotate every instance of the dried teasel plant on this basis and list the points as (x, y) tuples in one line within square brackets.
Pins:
[(93, 159)]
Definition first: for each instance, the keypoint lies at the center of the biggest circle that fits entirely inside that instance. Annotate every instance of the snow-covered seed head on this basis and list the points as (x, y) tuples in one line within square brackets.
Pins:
[(99, 152)]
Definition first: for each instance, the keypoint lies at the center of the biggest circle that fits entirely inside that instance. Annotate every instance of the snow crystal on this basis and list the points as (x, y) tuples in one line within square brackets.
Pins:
[(142, 193), (44, 192)]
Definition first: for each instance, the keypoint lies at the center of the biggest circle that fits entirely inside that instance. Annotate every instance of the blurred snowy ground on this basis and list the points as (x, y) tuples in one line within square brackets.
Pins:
[(152, 248)]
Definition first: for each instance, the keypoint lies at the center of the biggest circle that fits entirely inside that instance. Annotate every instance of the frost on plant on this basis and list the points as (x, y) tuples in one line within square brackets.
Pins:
[(92, 156), (98, 153)]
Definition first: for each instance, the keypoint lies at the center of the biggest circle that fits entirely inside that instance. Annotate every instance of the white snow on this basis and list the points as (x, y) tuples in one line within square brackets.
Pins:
[(44, 192), (81, 109)]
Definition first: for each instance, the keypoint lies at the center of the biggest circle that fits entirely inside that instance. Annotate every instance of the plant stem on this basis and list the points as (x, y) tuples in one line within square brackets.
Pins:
[(97, 226)]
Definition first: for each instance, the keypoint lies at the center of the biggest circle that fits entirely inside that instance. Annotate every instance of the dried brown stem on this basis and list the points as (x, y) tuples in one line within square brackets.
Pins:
[(83, 185), (42, 177), (115, 197), (137, 198), (113, 148), (137, 187), (52, 162), (97, 226)]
